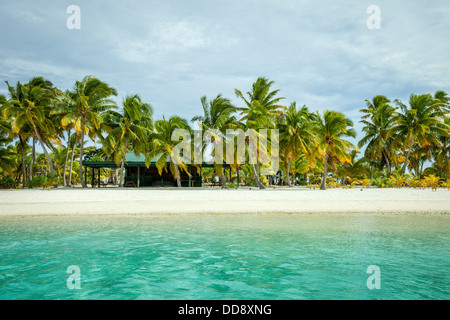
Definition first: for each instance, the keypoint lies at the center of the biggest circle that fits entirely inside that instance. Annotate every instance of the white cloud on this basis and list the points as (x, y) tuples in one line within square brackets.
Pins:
[(319, 53), (169, 36), (16, 67)]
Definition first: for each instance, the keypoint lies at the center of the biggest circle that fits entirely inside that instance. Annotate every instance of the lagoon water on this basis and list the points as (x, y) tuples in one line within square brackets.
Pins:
[(226, 257)]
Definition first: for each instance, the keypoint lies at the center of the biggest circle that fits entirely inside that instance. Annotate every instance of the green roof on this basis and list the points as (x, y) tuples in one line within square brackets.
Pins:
[(132, 160), (135, 159)]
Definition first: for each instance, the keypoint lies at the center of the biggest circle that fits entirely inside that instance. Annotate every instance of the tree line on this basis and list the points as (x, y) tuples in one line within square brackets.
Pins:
[(314, 147)]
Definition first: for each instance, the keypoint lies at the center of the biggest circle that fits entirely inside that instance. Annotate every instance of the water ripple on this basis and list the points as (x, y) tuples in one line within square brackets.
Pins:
[(226, 257)]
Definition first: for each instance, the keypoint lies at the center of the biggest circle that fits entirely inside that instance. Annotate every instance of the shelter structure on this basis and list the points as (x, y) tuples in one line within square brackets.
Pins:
[(138, 175)]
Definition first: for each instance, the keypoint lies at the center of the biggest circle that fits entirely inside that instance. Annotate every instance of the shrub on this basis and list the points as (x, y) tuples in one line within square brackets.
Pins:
[(8, 183), (366, 183), (36, 182), (353, 182), (49, 184), (446, 184), (398, 182), (231, 185), (333, 185), (382, 183), (416, 182), (432, 182)]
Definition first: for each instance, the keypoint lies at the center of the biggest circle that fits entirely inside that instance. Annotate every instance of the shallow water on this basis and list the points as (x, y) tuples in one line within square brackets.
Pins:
[(292, 257)]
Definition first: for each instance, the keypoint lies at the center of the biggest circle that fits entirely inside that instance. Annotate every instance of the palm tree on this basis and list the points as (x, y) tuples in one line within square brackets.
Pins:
[(132, 130), (260, 112), (162, 146), (332, 128), (296, 134), (356, 168), (28, 107), (73, 153), (417, 123), (7, 154), (66, 105), (217, 115), (442, 104), (5, 125), (441, 152), (90, 98), (378, 120)]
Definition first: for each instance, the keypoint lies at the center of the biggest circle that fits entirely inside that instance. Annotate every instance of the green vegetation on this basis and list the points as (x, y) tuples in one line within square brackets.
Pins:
[(404, 145)]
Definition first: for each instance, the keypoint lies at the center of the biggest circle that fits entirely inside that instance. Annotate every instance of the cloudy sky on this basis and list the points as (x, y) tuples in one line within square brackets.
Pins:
[(319, 53)]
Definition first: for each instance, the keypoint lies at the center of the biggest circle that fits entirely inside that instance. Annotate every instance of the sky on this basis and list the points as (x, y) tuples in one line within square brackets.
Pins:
[(318, 53)]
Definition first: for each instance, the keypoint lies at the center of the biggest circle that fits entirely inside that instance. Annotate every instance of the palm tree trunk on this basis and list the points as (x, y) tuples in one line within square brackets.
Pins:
[(287, 172), (388, 163), (255, 168), (83, 185), (224, 180), (122, 168), (24, 173), (71, 162), (407, 157), (50, 162), (33, 153), (258, 182), (111, 176), (65, 161), (324, 177), (177, 174)]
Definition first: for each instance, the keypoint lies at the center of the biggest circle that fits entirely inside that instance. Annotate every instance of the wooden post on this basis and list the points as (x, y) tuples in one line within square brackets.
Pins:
[(99, 169), (139, 177), (190, 179), (85, 176), (93, 175)]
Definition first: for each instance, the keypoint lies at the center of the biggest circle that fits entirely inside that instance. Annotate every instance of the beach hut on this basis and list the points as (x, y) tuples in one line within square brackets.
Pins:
[(138, 175)]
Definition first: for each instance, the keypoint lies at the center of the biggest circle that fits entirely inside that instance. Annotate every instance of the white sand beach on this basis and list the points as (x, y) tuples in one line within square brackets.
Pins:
[(216, 201)]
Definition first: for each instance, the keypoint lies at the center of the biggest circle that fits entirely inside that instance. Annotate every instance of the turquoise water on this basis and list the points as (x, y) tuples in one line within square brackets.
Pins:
[(290, 257)]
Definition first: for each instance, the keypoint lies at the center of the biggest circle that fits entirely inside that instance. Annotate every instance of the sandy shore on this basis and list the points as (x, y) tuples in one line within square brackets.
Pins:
[(214, 201)]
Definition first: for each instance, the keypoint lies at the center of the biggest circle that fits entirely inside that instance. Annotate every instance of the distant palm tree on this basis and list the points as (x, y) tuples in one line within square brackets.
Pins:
[(91, 97), (441, 153), (28, 107), (5, 125), (296, 134), (64, 106), (133, 130), (442, 104), (378, 120), (7, 154), (260, 112), (217, 115), (73, 143), (417, 123), (162, 147), (332, 128)]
